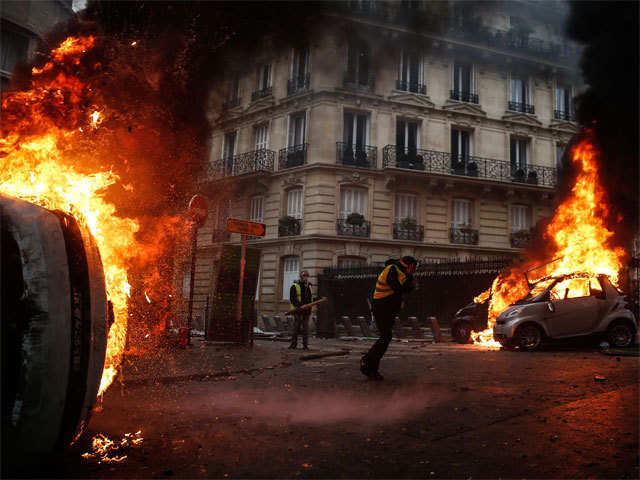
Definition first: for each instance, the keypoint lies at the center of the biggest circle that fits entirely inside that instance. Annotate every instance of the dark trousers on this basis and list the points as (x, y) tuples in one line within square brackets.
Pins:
[(384, 313), (301, 322)]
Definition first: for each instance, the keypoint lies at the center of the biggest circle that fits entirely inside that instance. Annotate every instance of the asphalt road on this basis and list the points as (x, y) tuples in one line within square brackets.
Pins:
[(443, 411)]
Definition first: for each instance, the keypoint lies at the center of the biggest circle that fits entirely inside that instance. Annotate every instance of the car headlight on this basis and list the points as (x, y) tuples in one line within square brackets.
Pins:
[(513, 313)]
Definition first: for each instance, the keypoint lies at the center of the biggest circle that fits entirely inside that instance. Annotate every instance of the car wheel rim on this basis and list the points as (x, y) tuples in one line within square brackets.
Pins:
[(620, 335), (530, 337)]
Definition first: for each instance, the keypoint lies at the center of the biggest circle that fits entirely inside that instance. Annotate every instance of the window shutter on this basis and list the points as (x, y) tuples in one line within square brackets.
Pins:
[(461, 213), (294, 203), (257, 204)]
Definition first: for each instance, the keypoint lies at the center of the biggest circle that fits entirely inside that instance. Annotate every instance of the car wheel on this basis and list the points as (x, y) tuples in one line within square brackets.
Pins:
[(620, 334), (462, 332), (528, 336)]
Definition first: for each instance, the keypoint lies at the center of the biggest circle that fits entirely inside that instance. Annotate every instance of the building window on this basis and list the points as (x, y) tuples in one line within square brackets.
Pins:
[(13, 49), (461, 213), (406, 206), (220, 213), (406, 136), (563, 107), (356, 130), (463, 83), (257, 205), (262, 136), (229, 146), (559, 154), (264, 76), (296, 134), (300, 77), (294, 203), (460, 148), (351, 262), (290, 273), (353, 200), (519, 95), (518, 156), (520, 218), (358, 65), (411, 73)]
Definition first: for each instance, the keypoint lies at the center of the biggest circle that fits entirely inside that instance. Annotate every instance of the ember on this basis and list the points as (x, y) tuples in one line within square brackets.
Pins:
[(105, 450), (578, 239)]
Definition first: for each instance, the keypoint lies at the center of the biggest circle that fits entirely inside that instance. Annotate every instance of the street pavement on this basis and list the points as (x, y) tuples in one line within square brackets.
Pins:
[(443, 411)]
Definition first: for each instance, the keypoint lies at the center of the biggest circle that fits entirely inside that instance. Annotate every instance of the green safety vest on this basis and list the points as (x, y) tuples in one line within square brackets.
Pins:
[(299, 294)]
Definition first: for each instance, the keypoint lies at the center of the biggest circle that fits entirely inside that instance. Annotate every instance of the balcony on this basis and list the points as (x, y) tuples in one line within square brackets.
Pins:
[(522, 107), (407, 231), (234, 102), (444, 163), (299, 84), (358, 82), (295, 156), (256, 161), (411, 87), (289, 226), (350, 229), (521, 238), (463, 235), (365, 156), (258, 94), (563, 115), (464, 96)]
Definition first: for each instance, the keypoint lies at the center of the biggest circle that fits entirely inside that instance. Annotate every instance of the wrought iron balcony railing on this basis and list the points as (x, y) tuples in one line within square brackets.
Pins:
[(444, 163), (294, 156), (364, 156), (234, 102), (289, 226), (463, 235), (408, 232), (563, 115), (522, 107), (411, 87), (257, 161), (299, 84), (353, 230), (362, 83), (464, 96), (258, 94), (521, 238)]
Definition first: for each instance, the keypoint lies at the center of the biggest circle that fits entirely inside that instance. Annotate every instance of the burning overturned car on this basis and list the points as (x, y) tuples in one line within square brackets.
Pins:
[(562, 306)]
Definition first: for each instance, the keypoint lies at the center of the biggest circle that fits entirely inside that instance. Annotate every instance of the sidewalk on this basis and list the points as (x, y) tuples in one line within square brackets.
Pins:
[(204, 360)]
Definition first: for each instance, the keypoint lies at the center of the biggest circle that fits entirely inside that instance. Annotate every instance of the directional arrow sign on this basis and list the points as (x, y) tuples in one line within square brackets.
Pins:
[(248, 228)]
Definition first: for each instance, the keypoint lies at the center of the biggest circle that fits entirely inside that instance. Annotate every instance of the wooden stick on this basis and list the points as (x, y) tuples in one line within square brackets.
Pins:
[(308, 306)]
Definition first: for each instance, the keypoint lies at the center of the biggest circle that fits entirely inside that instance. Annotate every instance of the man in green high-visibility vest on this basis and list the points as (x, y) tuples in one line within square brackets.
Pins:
[(300, 295)]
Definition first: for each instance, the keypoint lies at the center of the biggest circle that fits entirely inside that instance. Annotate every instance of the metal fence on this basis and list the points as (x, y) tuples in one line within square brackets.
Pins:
[(444, 286)]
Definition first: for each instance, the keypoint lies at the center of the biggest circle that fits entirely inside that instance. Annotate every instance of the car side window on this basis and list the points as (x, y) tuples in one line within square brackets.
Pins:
[(571, 288), (595, 289)]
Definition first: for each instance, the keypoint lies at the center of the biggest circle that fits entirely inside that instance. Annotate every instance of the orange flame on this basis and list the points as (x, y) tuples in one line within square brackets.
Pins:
[(579, 241), (40, 164)]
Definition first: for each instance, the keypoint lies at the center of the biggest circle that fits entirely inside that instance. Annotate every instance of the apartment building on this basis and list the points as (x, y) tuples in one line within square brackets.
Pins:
[(23, 24), (381, 137)]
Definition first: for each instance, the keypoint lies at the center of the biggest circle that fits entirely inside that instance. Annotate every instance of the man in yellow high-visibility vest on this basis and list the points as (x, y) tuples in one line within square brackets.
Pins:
[(299, 295), (394, 283)]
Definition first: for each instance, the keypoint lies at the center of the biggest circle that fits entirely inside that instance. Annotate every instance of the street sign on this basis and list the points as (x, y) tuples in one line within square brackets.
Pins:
[(248, 228), (198, 209)]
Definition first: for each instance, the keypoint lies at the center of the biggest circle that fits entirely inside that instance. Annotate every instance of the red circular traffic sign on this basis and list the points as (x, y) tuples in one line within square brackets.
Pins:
[(198, 209)]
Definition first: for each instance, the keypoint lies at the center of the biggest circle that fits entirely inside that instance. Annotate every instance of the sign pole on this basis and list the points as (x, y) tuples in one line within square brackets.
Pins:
[(192, 279), (241, 286)]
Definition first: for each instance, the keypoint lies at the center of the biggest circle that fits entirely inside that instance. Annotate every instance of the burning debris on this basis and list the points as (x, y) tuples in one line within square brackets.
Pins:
[(578, 240), (105, 450)]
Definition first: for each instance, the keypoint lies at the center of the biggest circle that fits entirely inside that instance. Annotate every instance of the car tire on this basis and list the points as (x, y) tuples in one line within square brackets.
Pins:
[(528, 337), (620, 334), (461, 332)]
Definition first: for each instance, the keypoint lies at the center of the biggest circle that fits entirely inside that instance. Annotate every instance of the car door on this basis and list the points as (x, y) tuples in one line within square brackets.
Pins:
[(574, 310)]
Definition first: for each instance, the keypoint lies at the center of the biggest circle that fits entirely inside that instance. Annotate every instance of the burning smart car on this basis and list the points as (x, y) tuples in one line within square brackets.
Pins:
[(567, 306)]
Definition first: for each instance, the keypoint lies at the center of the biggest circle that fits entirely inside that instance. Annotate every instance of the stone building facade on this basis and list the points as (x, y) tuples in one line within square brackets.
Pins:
[(379, 139), (23, 24)]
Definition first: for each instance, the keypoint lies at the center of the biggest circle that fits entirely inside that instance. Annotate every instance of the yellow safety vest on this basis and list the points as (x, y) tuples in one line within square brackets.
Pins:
[(299, 295), (382, 287)]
